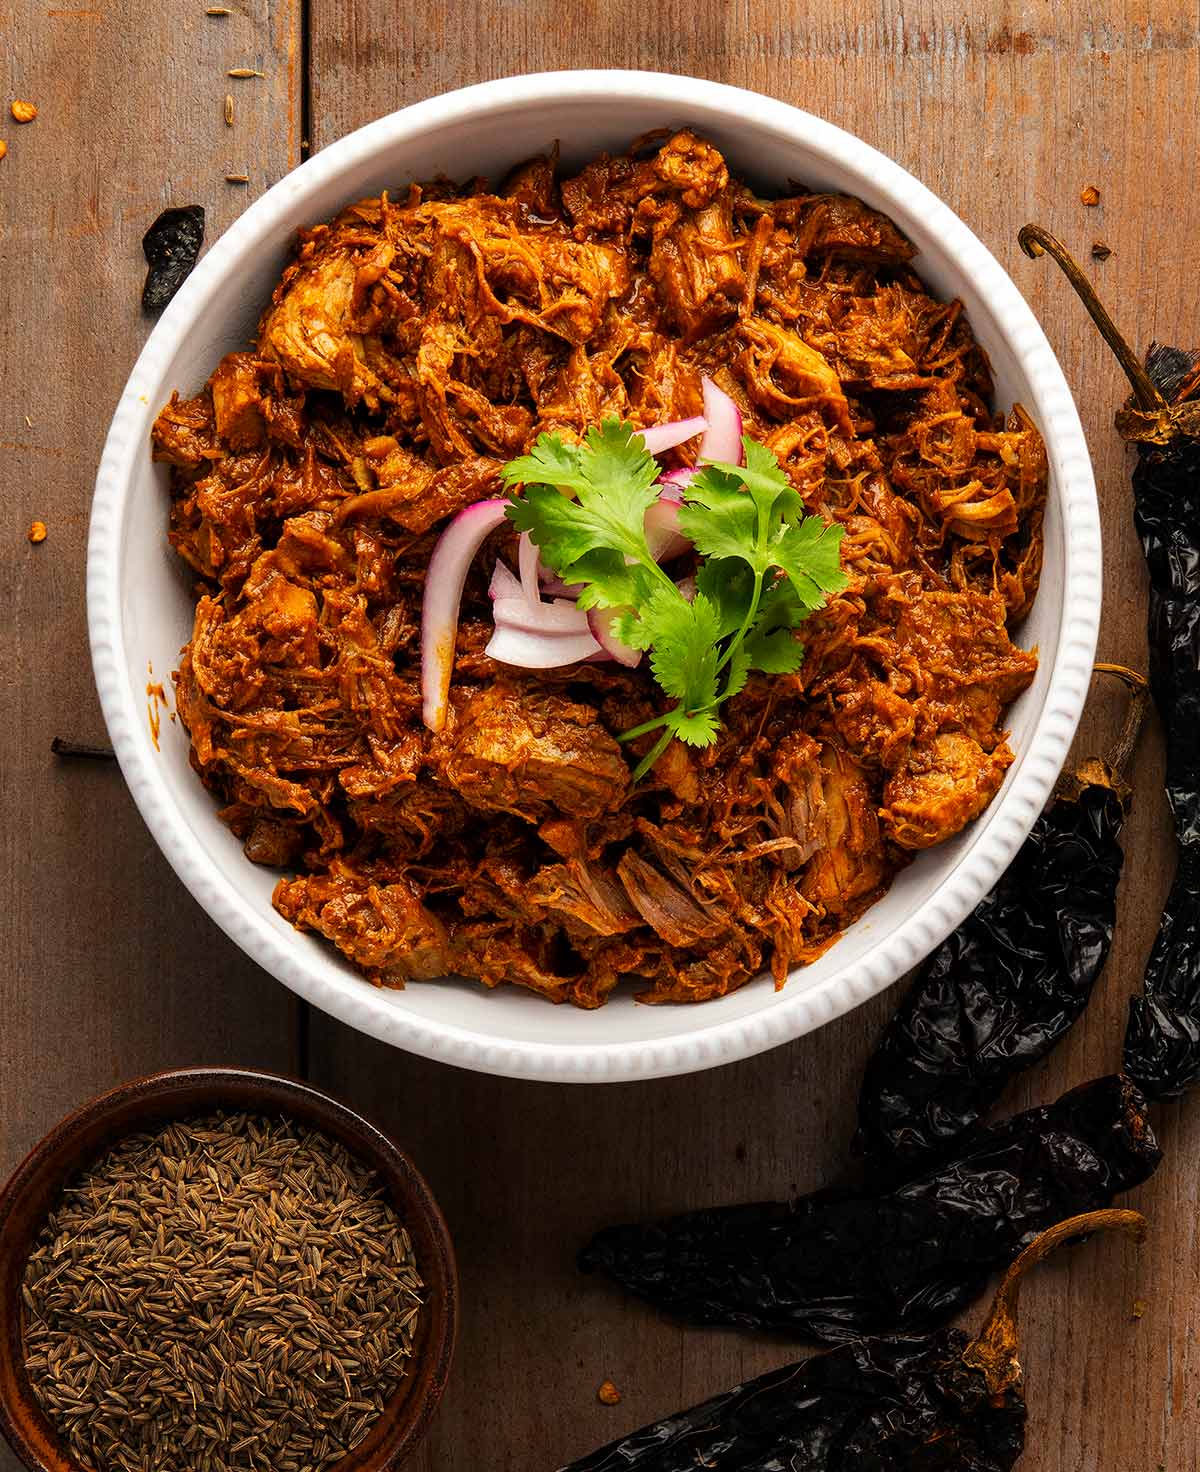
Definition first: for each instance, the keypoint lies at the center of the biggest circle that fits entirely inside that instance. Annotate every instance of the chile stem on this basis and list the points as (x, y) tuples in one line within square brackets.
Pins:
[(1139, 703), (1033, 241), (994, 1352)]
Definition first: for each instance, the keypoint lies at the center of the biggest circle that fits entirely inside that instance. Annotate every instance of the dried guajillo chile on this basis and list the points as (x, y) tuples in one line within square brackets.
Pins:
[(171, 247), (1016, 975), (941, 1402), (1162, 419), (836, 1264)]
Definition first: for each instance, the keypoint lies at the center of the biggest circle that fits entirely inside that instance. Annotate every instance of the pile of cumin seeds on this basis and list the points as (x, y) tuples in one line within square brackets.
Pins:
[(230, 1294)]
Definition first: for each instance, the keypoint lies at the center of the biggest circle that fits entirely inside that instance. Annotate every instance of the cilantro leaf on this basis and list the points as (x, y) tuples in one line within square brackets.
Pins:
[(696, 728), (779, 607), (718, 517), (609, 580), (764, 478), (551, 462), (633, 630), (728, 584), (776, 653), (599, 537), (737, 672), (612, 464), (683, 654), (810, 554)]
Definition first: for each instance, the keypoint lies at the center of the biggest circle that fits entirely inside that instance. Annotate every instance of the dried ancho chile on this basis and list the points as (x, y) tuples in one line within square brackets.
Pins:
[(171, 247), (941, 1402), (919, 1253), (1011, 981), (1162, 418)]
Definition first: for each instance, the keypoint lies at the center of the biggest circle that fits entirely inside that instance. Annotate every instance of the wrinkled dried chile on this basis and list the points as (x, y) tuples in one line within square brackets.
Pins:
[(940, 1402), (836, 1264), (171, 247), (1005, 987), (1162, 1044), (1162, 418)]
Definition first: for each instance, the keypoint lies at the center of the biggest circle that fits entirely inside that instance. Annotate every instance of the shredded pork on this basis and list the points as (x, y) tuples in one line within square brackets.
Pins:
[(414, 345)]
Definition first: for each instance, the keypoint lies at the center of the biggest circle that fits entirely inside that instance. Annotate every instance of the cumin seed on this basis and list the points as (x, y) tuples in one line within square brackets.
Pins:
[(178, 1308)]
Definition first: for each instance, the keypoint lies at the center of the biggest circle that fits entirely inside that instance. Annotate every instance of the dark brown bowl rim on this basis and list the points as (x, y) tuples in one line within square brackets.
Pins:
[(259, 1089)]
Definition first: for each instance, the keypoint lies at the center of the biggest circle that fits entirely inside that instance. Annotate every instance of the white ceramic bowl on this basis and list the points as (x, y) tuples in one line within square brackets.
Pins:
[(140, 610)]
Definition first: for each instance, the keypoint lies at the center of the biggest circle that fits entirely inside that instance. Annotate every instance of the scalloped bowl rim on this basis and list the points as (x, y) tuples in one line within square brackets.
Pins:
[(704, 1036)]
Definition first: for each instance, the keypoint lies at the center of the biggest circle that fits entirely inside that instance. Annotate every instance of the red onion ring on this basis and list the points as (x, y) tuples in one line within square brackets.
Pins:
[(675, 482), (723, 437), (527, 565), (539, 651), (444, 578), (558, 617), (504, 583), (663, 536), (554, 587), (600, 621), (662, 437)]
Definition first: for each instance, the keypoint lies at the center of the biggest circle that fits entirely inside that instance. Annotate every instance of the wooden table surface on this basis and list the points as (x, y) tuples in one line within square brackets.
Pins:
[(108, 967)]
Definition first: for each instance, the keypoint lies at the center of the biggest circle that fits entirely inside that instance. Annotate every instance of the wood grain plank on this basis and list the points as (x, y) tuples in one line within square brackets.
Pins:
[(107, 968), (1007, 110)]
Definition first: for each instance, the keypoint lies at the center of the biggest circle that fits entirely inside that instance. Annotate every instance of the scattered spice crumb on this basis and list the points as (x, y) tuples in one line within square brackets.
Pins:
[(23, 112), (608, 1394), (1100, 251), (228, 110), (1090, 196), (237, 178), (1138, 1309), (244, 71), (28, 422), (3, 148), (37, 532)]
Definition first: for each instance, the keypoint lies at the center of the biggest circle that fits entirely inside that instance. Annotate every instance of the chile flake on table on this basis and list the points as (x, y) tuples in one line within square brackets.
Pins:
[(1162, 419)]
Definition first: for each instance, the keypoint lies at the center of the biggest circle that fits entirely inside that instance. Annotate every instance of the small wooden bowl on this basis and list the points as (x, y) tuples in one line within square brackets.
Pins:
[(81, 1137)]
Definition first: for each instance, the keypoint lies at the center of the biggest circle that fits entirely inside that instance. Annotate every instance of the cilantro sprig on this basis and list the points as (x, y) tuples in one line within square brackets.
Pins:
[(764, 565)]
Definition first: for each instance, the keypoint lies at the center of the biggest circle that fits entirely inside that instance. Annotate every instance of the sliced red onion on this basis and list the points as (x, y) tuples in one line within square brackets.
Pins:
[(687, 587), (527, 565), (504, 584), (555, 588), (539, 651), (723, 437), (675, 482), (663, 536), (444, 578), (601, 621), (666, 436), (558, 617)]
